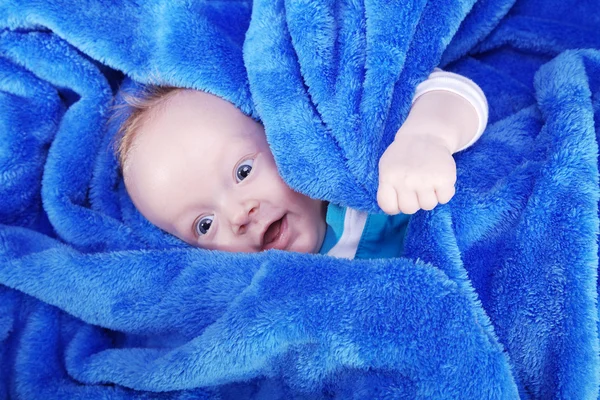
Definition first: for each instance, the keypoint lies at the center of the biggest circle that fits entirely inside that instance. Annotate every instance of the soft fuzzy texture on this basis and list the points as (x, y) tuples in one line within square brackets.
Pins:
[(495, 299)]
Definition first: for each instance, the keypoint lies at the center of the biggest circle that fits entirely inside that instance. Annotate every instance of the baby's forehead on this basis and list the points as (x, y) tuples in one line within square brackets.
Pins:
[(196, 125), (191, 111)]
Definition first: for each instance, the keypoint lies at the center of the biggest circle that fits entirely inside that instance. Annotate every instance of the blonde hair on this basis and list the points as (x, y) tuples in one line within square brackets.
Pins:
[(137, 107)]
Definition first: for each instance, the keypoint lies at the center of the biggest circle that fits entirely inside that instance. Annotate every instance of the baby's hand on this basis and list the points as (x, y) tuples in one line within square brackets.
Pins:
[(416, 171)]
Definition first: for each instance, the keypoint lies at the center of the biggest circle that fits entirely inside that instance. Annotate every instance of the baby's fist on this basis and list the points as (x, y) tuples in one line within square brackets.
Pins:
[(415, 172)]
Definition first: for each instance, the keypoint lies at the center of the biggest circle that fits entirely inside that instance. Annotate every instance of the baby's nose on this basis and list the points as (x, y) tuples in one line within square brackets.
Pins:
[(242, 216)]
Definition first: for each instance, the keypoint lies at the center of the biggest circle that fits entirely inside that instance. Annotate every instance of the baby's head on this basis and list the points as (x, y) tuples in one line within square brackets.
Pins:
[(197, 167)]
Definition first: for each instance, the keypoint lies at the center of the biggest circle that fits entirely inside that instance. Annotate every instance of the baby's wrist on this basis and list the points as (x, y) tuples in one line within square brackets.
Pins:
[(444, 117), (432, 130)]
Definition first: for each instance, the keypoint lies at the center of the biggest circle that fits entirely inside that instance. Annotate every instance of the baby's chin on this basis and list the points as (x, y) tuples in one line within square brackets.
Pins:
[(307, 244), (303, 248)]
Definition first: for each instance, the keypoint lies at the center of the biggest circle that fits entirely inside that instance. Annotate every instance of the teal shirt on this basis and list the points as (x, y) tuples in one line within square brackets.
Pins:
[(382, 235)]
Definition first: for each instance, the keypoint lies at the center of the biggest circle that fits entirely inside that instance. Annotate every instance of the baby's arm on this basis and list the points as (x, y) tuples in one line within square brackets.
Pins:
[(417, 170)]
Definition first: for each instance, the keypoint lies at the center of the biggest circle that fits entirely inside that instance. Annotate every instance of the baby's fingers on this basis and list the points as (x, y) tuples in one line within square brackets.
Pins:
[(407, 201), (387, 199), (427, 199), (445, 193)]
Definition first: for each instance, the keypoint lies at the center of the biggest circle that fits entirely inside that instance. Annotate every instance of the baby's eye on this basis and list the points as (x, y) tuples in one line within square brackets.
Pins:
[(203, 225), (243, 170)]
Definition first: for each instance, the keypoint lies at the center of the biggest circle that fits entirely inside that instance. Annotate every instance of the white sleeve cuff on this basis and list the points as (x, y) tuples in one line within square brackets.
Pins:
[(462, 86)]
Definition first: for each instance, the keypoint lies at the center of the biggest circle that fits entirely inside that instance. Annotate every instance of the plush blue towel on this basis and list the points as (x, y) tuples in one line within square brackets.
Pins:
[(496, 297)]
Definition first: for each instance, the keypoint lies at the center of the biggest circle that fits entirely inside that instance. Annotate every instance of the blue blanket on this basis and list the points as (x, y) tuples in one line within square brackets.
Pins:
[(495, 298)]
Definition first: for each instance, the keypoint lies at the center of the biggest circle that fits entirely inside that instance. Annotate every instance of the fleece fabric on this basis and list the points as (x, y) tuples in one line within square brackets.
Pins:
[(494, 298)]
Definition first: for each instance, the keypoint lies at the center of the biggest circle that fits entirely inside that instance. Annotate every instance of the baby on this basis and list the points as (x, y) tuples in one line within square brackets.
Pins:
[(198, 168)]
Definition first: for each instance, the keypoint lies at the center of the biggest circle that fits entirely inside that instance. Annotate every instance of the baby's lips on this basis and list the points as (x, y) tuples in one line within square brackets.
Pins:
[(276, 236), (264, 234), (272, 231)]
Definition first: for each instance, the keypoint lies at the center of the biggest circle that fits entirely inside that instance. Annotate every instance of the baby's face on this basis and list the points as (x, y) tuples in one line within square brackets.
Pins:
[(201, 170)]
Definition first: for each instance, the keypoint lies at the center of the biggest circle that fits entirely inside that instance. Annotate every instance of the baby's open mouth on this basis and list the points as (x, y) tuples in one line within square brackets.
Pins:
[(275, 235)]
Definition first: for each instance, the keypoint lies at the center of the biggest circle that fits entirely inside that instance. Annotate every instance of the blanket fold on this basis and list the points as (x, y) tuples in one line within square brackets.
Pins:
[(496, 296)]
